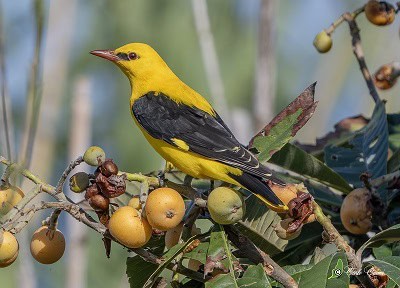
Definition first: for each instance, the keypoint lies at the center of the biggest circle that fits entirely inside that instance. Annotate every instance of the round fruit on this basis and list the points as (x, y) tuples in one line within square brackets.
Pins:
[(165, 208), (356, 211), (385, 77), (323, 42), (226, 205), (79, 182), (9, 197), (379, 12), (285, 193), (47, 245), (281, 230), (8, 249), (108, 168), (128, 227), (94, 156), (135, 203), (99, 203)]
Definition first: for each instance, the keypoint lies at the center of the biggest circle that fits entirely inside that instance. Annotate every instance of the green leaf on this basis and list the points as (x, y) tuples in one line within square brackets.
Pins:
[(328, 272), (382, 252), (219, 253), (170, 255), (366, 152), (394, 130), (285, 125), (258, 224), (394, 162), (138, 271), (390, 265), (295, 159), (199, 253), (221, 281), (389, 235), (254, 277)]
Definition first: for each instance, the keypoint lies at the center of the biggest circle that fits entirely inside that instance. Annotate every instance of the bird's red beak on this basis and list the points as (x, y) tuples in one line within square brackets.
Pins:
[(106, 54)]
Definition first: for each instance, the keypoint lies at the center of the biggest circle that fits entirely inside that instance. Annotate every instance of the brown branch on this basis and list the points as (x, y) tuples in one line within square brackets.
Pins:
[(336, 238), (255, 255), (359, 53)]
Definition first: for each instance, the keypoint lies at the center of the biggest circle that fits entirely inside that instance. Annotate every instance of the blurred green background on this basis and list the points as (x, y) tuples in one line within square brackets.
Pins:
[(85, 99)]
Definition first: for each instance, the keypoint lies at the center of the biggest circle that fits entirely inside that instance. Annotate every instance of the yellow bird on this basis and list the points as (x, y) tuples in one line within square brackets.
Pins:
[(184, 128)]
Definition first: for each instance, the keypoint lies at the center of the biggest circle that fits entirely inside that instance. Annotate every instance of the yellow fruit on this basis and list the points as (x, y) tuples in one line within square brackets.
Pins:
[(8, 249), (285, 193), (226, 205), (281, 230), (323, 42), (165, 209), (379, 12), (47, 245), (9, 197), (356, 211), (94, 156), (135, 203), (128, 227)]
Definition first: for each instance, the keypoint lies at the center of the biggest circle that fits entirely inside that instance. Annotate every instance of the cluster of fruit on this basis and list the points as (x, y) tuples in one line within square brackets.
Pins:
[(47, 244), (379, 13)]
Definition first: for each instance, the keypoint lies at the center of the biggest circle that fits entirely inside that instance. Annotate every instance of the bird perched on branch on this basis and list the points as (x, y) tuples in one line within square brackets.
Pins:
[(184, 128)]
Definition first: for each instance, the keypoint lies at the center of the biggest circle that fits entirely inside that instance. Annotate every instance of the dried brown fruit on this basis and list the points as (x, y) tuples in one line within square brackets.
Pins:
[(91, 191), (282, 228), (108, 168), (99, 202), (113, 186), (387, 75), (379, 12)]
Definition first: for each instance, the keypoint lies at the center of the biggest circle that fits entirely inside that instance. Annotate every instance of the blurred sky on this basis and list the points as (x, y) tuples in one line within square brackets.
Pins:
[(82, 26)]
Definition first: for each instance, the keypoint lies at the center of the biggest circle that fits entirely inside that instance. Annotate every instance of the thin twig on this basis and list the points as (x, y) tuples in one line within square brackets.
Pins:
[(358, 52), (255, 255)]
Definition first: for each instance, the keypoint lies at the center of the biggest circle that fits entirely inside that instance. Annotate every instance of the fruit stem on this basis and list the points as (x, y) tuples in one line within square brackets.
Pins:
[(53, 219), (341, 19)]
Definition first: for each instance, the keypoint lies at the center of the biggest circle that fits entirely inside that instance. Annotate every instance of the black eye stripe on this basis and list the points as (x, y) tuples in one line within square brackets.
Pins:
[(123, 56)]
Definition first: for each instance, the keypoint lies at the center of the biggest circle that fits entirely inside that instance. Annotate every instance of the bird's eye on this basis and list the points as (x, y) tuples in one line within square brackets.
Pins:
[(133, 56)]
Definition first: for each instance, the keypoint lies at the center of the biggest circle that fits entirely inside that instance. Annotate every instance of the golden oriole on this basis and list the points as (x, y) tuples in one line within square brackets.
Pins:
[(183, 127)]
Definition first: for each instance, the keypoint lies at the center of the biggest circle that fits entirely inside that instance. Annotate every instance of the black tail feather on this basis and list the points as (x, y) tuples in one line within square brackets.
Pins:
[(259, 187)]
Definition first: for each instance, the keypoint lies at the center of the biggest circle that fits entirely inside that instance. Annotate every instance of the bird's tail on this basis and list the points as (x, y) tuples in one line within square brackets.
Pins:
[(261, 189)]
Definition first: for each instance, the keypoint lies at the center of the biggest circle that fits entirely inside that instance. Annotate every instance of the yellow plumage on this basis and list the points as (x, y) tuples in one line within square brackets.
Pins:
[(148, 73)]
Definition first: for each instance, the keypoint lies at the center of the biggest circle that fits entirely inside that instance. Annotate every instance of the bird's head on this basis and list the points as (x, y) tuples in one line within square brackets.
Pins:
[(137, 60)]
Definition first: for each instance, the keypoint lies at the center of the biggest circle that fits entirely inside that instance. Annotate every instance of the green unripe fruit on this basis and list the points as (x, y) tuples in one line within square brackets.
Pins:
[(226, 205), (323, 42), (79, 182), (94, 156)]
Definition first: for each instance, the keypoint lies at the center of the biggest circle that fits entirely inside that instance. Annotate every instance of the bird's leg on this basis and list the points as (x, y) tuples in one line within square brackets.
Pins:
[(161, 174), (188, 180), (212, 184)]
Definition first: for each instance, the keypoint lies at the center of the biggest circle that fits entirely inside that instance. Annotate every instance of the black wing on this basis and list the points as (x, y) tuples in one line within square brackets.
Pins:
[(206, 135)]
